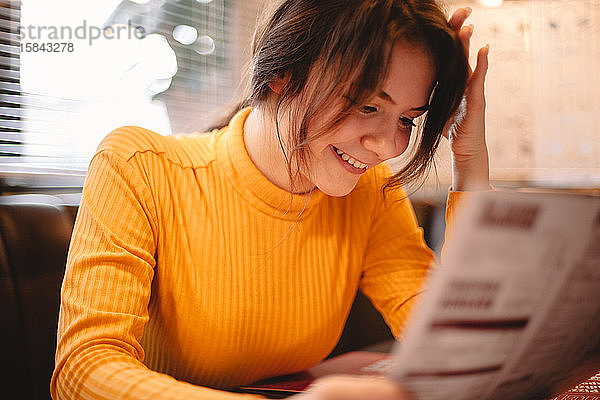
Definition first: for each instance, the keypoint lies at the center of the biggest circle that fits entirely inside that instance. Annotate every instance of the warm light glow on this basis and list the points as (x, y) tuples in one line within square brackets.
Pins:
[(101, 83), (491, 3), (204, 45), (185, 34)]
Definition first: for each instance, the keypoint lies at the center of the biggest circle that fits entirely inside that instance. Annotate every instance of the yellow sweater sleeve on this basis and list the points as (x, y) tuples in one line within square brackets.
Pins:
[(453, 209), (397, 258), (396, 261), (105, 294)]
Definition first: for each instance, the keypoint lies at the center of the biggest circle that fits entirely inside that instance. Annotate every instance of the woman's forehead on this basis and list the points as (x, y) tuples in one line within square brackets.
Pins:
[(410, 77)]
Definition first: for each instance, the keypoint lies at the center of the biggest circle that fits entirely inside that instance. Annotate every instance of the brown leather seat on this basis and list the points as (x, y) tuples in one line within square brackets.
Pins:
[(34, 235), (35, 231)]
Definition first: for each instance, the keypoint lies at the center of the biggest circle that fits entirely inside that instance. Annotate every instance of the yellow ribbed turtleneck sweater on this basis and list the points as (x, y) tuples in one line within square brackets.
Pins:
[(188, 269)]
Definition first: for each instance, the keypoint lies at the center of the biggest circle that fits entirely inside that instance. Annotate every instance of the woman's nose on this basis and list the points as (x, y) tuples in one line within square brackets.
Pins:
[(386, 143)]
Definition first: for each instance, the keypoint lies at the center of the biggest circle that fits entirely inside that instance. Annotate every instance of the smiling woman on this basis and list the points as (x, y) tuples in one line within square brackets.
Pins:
[(368, 135), (203, 262), (338, 66)]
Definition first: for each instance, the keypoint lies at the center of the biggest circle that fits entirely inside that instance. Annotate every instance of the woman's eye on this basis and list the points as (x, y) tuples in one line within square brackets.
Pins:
[(367, 109), (406, 123)]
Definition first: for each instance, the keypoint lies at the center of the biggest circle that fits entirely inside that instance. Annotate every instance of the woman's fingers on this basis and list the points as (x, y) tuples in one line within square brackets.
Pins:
[(473, 105), (477, 80), (458, 18), (465, 34), (345, 387)]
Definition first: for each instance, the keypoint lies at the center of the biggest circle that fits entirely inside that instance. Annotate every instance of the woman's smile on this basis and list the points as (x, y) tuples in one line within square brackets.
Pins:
[(350, 163)]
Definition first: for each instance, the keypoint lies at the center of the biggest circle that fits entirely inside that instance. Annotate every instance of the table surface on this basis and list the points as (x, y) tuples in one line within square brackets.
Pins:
[(378, 363)]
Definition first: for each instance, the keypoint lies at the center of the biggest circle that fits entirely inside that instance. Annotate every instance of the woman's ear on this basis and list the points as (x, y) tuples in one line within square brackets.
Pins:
[(278, 84)]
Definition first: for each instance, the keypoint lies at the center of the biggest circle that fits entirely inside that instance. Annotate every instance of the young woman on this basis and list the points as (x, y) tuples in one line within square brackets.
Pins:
[(205, 262)]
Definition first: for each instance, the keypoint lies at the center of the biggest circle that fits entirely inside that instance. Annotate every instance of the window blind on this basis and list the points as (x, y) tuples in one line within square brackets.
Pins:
[(11, 99), (184, 64)]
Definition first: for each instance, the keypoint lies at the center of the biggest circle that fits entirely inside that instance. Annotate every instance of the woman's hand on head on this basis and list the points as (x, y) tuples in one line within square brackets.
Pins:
[(346, 387), (466, 130)]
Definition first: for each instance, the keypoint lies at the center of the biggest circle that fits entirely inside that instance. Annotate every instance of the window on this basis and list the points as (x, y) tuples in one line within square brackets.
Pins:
[(542, 121), (73, 71)]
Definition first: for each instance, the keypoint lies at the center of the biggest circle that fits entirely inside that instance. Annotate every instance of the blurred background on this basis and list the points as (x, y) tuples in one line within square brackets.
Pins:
[(58, 101)]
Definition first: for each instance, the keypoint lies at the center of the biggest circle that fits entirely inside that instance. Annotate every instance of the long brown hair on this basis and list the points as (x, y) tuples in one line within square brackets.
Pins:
[(345, 46)]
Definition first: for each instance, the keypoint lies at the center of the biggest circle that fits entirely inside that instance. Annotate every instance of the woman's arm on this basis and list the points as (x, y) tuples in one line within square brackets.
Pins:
[(466, 131), (106, 291)]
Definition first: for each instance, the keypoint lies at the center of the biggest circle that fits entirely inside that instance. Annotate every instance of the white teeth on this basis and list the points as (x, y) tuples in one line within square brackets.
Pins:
[(350, 160), (357, 164)]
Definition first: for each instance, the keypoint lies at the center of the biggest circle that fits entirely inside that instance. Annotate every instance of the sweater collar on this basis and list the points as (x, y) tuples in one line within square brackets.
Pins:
[(251, 183)]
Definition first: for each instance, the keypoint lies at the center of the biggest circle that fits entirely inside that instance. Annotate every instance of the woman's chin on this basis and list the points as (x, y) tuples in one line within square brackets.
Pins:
[(338, 189)]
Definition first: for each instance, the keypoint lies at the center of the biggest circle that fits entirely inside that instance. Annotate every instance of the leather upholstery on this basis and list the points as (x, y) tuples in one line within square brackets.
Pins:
[(35, 233)]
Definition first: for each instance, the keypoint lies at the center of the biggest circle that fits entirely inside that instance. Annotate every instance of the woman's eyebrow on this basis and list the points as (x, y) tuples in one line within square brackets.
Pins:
[(383, 95), (386, 97)]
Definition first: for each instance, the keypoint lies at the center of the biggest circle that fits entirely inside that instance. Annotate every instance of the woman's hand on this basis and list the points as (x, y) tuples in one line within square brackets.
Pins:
[(346, 387), (466, 130)]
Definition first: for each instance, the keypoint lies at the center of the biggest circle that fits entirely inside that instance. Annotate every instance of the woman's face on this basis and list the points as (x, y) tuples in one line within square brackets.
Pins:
[(379, 130)]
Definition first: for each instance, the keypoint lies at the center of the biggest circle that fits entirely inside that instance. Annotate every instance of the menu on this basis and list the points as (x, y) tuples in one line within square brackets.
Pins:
[(513, 311)]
